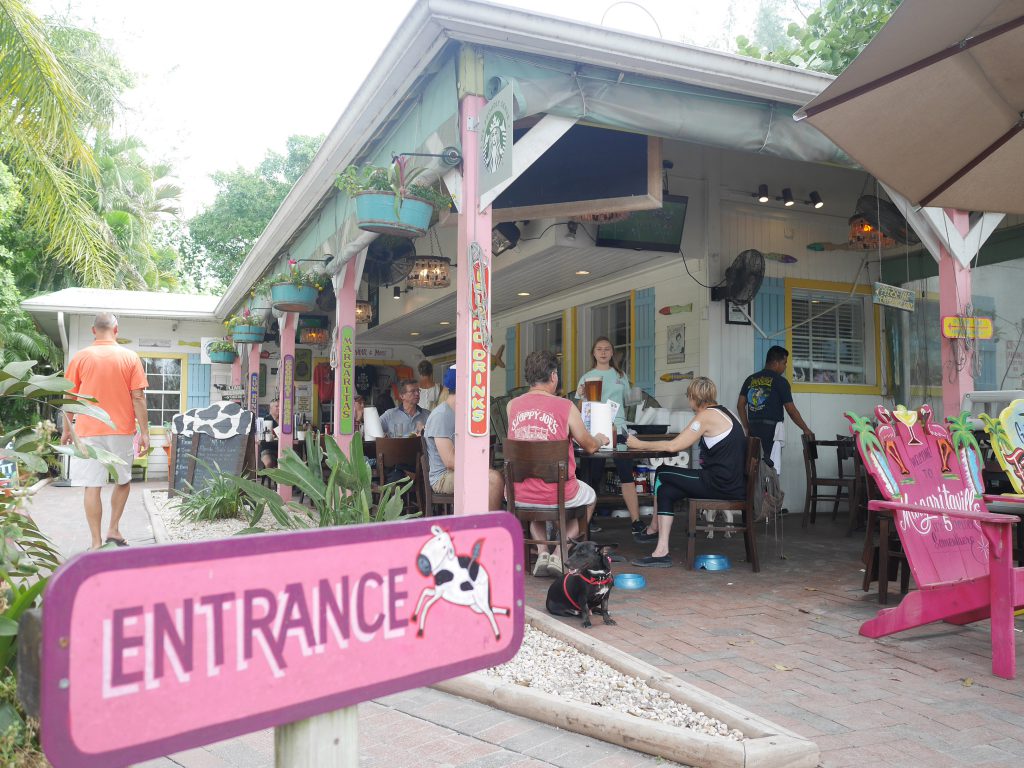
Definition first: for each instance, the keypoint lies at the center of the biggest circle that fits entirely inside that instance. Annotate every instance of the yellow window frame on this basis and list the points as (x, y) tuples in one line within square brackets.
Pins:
[(159, 429), (792, 284)]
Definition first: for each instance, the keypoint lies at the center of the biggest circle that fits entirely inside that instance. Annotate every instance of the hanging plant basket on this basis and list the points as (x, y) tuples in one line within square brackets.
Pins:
[(222, 357), (376, 213), (288, 297), (248, 334)]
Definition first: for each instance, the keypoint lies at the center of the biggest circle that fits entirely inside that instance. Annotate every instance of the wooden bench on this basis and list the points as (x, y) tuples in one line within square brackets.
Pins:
[(959, 553)]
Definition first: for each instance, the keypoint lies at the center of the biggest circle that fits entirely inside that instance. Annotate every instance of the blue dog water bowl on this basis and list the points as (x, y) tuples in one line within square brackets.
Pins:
[(711, 563), (630, 581)]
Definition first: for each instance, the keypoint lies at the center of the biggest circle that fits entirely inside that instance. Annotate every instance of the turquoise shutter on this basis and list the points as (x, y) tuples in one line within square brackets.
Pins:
[(643, 340), (985, 306), (511, 358), (770, 316), (198, 383)]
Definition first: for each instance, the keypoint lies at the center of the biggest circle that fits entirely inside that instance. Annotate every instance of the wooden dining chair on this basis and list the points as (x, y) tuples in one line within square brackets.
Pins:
[(842, 484), (744, 506), (547, 461), (402, 453), (434, 503)]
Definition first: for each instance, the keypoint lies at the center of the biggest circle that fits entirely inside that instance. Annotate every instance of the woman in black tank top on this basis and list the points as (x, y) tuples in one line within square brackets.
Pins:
[(723, 447)]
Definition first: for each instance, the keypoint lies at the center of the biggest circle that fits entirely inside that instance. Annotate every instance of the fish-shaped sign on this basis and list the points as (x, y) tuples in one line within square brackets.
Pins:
[(676, 376), (675, 309)]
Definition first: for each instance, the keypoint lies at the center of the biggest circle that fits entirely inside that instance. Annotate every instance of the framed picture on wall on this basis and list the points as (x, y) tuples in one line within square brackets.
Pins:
[(677, 343), (263, 380), (734, 313), (303, 364)]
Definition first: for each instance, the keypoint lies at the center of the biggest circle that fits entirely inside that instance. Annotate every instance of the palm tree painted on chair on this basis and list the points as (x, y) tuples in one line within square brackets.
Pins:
[(967, 449), (874, 456), (1010, 457)]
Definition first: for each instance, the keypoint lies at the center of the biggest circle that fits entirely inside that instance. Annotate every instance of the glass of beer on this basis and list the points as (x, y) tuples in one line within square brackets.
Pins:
[(592, 389)]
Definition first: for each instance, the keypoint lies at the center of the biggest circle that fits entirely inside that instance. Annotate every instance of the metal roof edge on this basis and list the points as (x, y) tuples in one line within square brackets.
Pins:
[(424, 31)]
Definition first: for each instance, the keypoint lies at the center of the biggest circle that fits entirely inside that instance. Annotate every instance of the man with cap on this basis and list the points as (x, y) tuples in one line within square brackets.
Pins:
[(440, 434)]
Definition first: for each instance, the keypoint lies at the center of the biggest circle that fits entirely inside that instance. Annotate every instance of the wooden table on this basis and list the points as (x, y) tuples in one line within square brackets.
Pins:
[(632, 454)]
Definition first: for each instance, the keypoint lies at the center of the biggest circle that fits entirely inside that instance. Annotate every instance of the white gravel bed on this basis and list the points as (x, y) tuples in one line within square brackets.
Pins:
[(550, 665), (184, 530)]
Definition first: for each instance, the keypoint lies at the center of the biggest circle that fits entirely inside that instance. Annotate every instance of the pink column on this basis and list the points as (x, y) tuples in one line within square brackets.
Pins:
[(954, 296), (472, 393), (236, 372), (344, 374), (286, 390)]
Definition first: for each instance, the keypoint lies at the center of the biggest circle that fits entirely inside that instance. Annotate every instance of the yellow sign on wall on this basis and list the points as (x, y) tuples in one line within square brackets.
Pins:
[(956, 327)]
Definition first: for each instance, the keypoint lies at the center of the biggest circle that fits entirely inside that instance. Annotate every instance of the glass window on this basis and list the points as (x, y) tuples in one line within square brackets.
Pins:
[(828, 343), (611, 319), (544, 333), (164, 396)]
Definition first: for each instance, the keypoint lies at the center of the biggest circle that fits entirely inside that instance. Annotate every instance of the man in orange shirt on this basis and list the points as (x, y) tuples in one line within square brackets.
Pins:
[(115, 377)]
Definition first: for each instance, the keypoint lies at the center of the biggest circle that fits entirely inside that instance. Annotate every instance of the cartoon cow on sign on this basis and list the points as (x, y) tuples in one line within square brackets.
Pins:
[(458, 579)]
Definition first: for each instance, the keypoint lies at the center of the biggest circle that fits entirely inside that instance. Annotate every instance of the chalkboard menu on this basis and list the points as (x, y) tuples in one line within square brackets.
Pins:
[(204, 441)]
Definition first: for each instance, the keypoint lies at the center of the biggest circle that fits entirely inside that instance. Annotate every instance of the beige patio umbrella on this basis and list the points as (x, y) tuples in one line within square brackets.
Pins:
[(933, 106)]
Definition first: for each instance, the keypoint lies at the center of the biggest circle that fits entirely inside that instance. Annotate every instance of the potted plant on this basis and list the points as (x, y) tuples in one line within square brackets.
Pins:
[(245, 328), (294, 289), (221, 351), (387, 200)]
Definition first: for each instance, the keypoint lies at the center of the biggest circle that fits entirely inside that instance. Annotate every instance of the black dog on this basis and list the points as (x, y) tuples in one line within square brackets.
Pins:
[(586, 586)]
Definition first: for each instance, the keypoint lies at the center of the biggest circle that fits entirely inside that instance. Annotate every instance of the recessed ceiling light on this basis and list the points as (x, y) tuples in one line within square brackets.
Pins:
[(445, 322), (414, 333), (582, 271), (523, 293)]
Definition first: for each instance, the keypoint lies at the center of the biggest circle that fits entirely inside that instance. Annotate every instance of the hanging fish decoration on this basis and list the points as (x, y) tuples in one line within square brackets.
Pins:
[(675, 309), (676, 376), (498, 357), (123, 341), (782, 258), (188, 343)]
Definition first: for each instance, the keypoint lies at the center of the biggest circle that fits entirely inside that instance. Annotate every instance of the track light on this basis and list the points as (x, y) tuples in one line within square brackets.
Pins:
[(397, 293), (762, 193), (787, 197), (572, 226), (816, 200)]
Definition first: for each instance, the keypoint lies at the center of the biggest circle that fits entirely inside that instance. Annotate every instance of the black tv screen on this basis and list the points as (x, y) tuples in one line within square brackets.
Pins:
[(657, 230)]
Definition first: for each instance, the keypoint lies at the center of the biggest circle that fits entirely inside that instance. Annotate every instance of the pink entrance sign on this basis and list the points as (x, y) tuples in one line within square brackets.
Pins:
[(153, 650)]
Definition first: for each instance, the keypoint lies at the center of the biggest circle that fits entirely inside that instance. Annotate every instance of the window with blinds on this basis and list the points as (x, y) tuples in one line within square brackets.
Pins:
[(828, 338)]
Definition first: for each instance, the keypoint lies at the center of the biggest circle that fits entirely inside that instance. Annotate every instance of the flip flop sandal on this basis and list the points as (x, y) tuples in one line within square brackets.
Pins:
[(117, 541)]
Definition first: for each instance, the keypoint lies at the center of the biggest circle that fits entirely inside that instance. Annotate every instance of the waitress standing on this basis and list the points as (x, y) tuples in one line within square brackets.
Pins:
[(614, 386)]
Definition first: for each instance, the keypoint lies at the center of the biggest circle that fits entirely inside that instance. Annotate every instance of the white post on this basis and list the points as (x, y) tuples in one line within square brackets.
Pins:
[(330, 740)]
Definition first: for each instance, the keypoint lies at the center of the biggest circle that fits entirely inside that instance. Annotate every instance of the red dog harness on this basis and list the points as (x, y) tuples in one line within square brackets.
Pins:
[(593, 582)]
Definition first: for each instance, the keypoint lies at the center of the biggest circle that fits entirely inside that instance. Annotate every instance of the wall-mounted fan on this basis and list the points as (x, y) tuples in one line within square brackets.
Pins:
[(389, 260), (742, 278)]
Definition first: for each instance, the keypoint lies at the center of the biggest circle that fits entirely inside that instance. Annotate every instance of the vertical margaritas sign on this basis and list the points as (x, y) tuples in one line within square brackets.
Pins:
[(346, 372), (287, 394)]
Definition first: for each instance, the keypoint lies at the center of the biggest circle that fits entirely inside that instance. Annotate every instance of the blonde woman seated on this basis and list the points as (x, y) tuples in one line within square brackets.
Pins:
[(723, 447)]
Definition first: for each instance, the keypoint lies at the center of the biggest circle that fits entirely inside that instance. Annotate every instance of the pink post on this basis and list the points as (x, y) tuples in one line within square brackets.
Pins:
[(286, 391), (344, 374), (954, 296), (1001, 599), (236, 372), (472, 394)]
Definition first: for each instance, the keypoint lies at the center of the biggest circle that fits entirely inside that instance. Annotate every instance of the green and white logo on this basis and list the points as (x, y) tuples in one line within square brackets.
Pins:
[(495, 140)]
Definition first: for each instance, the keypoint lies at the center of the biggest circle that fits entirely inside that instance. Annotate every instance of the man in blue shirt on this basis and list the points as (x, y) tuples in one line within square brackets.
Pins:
[(764, 399), (408, 418)]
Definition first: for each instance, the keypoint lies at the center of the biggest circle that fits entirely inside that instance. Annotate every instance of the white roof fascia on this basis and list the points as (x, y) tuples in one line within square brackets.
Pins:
[(432, 23)]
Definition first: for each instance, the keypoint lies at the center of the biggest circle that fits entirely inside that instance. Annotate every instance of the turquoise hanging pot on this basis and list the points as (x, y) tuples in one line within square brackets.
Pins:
[(288, 297), (222, 357), (248, 334), (376, 212)]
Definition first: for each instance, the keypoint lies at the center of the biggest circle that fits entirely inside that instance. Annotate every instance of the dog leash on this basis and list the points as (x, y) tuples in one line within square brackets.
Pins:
[(592, 582)]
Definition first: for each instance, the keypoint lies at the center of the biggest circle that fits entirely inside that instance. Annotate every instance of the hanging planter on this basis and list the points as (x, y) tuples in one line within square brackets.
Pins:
[(245, 328), (294, 290), (221, 351), (381, 212), (388, 203)]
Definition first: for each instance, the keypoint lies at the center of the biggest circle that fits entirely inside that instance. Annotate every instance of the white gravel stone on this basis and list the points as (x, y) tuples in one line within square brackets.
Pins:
[(550, 665), (184, 530)]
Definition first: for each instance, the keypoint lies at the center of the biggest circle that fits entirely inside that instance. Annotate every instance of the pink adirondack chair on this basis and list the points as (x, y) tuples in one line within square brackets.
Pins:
[(961, 555)]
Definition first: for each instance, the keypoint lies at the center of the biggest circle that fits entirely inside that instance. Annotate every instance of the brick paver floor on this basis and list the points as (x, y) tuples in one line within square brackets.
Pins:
[(782, 643)]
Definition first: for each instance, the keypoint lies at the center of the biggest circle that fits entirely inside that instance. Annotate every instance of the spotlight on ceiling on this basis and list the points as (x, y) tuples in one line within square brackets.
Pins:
[(787, 197), (816, 200), (397, 293), (504, 237), (762, 193)]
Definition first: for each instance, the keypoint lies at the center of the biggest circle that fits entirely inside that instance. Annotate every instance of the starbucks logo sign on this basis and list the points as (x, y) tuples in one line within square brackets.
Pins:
[(496, 139)]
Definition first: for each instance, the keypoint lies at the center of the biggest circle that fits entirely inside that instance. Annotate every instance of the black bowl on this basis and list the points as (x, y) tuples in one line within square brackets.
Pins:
[(649, 429)]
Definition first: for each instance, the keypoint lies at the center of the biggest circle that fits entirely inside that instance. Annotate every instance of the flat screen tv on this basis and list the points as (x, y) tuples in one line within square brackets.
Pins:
[(657, 230)]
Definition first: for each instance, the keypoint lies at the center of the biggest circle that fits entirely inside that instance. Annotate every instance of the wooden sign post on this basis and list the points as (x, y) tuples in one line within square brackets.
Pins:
[(154, 650)]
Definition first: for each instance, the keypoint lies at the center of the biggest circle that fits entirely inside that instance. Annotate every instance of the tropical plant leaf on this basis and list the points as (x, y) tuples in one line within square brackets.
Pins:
[(85, 409), (33, 462)]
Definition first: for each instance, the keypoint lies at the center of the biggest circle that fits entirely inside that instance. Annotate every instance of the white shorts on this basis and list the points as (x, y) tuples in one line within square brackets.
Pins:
[(89, 473), (584, 497)]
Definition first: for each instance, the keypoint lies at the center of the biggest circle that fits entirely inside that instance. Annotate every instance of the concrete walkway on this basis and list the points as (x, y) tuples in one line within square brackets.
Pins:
[(782, 643)]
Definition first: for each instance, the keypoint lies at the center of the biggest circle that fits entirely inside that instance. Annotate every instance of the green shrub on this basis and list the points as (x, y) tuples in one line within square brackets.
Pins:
[(219, 499)]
